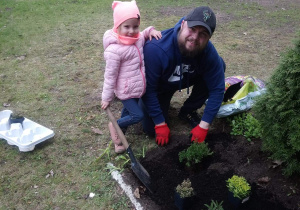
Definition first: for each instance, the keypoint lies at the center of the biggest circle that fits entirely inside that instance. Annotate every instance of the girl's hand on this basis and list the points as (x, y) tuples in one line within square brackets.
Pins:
[(104, 104), (156, 34)]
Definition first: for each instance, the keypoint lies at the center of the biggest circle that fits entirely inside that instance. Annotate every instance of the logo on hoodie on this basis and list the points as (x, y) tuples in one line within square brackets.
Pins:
[(176, 76)]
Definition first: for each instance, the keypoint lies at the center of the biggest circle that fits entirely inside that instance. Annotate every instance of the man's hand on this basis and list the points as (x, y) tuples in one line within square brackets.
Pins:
[(162, 134), (198, 134)]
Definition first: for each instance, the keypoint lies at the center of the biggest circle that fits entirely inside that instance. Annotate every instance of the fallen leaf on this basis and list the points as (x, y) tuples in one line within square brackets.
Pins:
[(97, 131), (276, 163), (91, 117), (22, 57), (137, 193), (264, 179), (51, 173)]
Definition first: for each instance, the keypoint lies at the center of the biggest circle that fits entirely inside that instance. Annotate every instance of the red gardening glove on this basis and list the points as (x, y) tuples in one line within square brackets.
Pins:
[(162, 134), (199, 134)]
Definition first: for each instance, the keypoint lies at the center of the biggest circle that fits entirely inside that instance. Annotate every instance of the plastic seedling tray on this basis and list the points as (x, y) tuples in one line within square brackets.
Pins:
[(23, 133)]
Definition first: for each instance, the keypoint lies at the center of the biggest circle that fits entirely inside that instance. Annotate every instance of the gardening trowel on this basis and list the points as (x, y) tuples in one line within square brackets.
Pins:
[(137, 168)]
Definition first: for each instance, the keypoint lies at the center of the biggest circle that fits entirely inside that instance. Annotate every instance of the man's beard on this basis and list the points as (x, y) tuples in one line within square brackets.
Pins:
[(185, 52)]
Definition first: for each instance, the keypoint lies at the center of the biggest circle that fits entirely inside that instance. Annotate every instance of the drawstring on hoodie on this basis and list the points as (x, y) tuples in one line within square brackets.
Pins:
[(180, 81)]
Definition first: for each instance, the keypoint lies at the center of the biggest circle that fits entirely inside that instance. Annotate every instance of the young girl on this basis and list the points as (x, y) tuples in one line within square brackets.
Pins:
[(125, 71)]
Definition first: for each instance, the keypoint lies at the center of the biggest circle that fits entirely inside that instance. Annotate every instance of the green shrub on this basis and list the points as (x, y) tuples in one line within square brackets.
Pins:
[(194, 154), (278, 111), (239, 186), (246, 125)]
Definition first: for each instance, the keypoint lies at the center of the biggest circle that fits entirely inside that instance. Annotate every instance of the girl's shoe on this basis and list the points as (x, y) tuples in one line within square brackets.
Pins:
[(119, 148)]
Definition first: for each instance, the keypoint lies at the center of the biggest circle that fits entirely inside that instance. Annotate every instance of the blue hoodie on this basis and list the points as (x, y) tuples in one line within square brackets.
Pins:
[(167, 69)]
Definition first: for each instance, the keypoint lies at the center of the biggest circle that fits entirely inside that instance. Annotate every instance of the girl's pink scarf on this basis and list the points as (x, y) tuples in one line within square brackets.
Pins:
[(126, 39)]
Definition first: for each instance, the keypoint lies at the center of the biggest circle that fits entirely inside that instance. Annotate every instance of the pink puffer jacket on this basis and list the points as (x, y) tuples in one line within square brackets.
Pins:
[(125, 70)]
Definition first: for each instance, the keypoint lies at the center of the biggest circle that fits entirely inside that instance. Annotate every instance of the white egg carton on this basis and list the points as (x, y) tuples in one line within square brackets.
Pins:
[(25, 135)]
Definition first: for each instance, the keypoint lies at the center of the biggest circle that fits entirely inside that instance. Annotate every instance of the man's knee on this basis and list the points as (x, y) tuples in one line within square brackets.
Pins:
[(148, 126)]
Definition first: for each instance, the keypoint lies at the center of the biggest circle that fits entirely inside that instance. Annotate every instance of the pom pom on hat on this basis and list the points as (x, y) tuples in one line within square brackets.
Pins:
[(124, 11)]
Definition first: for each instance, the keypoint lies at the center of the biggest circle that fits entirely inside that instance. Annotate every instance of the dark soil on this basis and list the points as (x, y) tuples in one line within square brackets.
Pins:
[(232, 155)]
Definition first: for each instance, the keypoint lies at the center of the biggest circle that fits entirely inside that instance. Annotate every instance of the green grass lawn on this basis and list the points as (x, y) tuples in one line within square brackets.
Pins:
[(51, 71)]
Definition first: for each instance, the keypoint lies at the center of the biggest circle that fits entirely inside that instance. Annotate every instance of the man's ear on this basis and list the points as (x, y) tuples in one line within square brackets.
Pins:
[(182, 22)]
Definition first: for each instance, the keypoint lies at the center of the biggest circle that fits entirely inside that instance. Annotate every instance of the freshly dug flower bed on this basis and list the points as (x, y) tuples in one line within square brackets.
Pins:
[(231, 155)]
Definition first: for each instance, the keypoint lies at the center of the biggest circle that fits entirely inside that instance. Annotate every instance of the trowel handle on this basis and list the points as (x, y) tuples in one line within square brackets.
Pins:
[(118, 129)]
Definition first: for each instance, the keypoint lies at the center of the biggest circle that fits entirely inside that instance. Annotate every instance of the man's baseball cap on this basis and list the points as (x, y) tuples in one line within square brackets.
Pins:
[(202, 16)]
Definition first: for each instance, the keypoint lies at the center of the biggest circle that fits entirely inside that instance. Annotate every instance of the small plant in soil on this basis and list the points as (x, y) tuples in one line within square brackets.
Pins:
[(183, 195), (214, 205), (194, 154), (16, 118), (185, 189), (246, 125), (239, 186)]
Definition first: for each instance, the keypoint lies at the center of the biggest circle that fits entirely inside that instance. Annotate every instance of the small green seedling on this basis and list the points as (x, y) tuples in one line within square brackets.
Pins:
[(124, 159), (185, 189), (214, 205), (106, 151), (239, 186), (245, 124), (194, 154), (111, 168)]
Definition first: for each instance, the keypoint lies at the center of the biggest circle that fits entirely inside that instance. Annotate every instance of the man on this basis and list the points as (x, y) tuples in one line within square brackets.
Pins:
[(184, 57)]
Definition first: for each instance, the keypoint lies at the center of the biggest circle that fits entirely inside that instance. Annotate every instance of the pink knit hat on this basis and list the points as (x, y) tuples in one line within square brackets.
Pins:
[(124, 11)]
